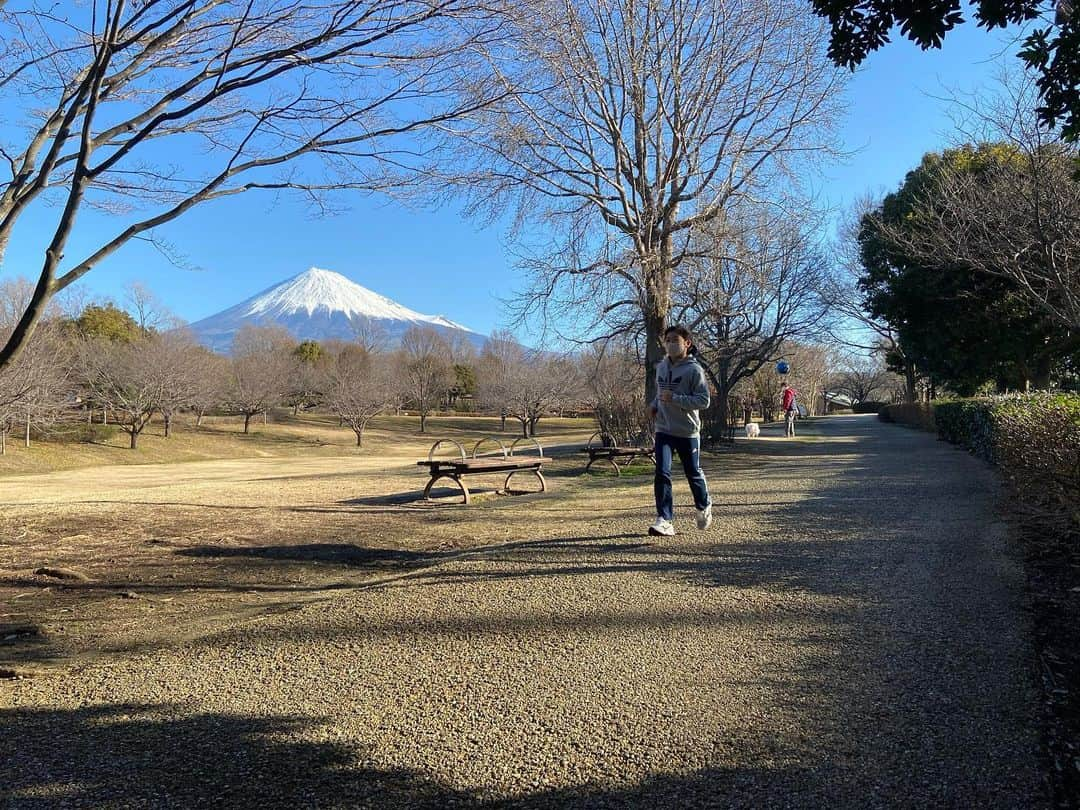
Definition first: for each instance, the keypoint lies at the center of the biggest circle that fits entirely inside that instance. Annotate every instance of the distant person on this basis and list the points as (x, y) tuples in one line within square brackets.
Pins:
[(681, 392), (788, 398)]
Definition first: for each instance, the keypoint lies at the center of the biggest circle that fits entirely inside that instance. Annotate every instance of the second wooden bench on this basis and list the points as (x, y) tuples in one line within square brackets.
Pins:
[(610, 452)]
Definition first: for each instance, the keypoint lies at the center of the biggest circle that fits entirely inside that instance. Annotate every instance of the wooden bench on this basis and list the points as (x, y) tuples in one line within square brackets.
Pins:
[(457, 468), (608, 450)]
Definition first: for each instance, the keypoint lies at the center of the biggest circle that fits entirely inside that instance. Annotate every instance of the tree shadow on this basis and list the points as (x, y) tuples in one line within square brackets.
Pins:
[(345, 554), (125, 755), (148, 756)]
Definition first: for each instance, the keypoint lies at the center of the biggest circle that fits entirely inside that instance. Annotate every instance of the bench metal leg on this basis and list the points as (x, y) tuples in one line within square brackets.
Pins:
[(457, 480), (539, 477), (598, 458)]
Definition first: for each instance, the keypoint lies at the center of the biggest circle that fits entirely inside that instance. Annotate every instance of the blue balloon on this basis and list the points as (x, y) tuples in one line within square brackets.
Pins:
[(782, 367)]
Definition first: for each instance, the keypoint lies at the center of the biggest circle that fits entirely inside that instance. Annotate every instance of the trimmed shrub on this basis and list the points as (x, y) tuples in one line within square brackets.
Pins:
[(968, 423), (92, 434), (913, 414), (868, 407), (1037, 445), (1033, 438)]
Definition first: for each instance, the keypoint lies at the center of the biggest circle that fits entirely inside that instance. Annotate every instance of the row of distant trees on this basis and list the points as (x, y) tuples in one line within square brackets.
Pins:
[(129, 366)]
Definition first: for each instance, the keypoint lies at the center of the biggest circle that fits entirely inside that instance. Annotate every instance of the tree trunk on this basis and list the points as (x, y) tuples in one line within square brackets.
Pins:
[(532, 426), (1041, 380), (247, 421), (198, 418), (654, 352), (104, 416), (909, 381), (28, 429), (359, 436), (168, 423), (3, 442), (134, 438), (717, 417), (423, 422)]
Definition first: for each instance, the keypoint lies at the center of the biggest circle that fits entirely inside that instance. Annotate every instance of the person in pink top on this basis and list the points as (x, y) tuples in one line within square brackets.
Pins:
[(788, 396)]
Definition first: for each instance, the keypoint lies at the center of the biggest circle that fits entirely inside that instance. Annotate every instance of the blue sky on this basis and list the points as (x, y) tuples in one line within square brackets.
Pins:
[(437, 262)]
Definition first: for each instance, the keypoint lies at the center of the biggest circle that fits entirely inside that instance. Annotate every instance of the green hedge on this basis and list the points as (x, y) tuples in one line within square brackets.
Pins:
[(868, 407), (914, 414), (1033, 438)]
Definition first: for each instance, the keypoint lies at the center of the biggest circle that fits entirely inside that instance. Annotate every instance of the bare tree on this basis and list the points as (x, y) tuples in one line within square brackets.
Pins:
[(862, 379), (812, 366), (212, 381), (180, 363), (525, 383), (628, 124), (849, 323), (123, 377), (764, 389), (149, 312), (425, 361), (34, 389), (147, 109), (369, 334), (751, 288), (262, 361), (359, 385), (611, 374)]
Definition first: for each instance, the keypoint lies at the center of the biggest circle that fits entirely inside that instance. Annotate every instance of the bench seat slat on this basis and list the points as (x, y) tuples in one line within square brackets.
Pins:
[(480, 465)]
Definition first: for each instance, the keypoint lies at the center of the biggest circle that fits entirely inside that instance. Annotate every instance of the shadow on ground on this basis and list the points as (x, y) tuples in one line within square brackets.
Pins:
[(146, 756)]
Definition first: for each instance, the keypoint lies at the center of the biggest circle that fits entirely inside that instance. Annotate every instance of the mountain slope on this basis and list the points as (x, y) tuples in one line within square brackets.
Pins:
[(322, 305)]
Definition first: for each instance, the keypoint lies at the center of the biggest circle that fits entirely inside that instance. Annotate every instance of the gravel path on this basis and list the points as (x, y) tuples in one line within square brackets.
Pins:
[(850, 634)]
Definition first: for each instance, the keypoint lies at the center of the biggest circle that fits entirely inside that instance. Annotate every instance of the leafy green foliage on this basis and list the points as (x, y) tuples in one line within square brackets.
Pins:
[(962, 327), (108, 322), (309, 351), (464, 379), (1034, 439)]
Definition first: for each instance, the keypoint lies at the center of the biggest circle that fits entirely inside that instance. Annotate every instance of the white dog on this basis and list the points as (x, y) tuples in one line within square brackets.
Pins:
[(752, 430)]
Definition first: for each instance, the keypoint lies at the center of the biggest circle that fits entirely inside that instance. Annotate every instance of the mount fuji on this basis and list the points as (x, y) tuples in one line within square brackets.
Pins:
[(322, 305)]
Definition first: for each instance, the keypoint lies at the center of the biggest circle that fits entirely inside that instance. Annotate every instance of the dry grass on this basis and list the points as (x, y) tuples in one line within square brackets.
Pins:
[(244, 524), (223, 437)]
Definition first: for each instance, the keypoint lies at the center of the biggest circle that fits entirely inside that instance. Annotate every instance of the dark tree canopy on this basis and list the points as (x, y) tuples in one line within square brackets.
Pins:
[(965, 328), (860, 27)]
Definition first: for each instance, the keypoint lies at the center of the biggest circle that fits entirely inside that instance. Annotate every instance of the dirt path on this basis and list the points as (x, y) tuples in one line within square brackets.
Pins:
[(850, 634)]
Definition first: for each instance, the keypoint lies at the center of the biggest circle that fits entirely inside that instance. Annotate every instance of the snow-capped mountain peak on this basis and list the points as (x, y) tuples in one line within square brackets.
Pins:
[(320, 304), (316, 289)]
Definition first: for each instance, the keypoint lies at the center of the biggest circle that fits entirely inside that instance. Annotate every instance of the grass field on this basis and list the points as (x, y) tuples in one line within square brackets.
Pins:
[(208, 527), (222, 437)]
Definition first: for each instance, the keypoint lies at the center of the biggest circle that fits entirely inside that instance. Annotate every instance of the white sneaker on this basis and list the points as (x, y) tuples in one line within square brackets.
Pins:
[(662, 528), (704, 517)]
